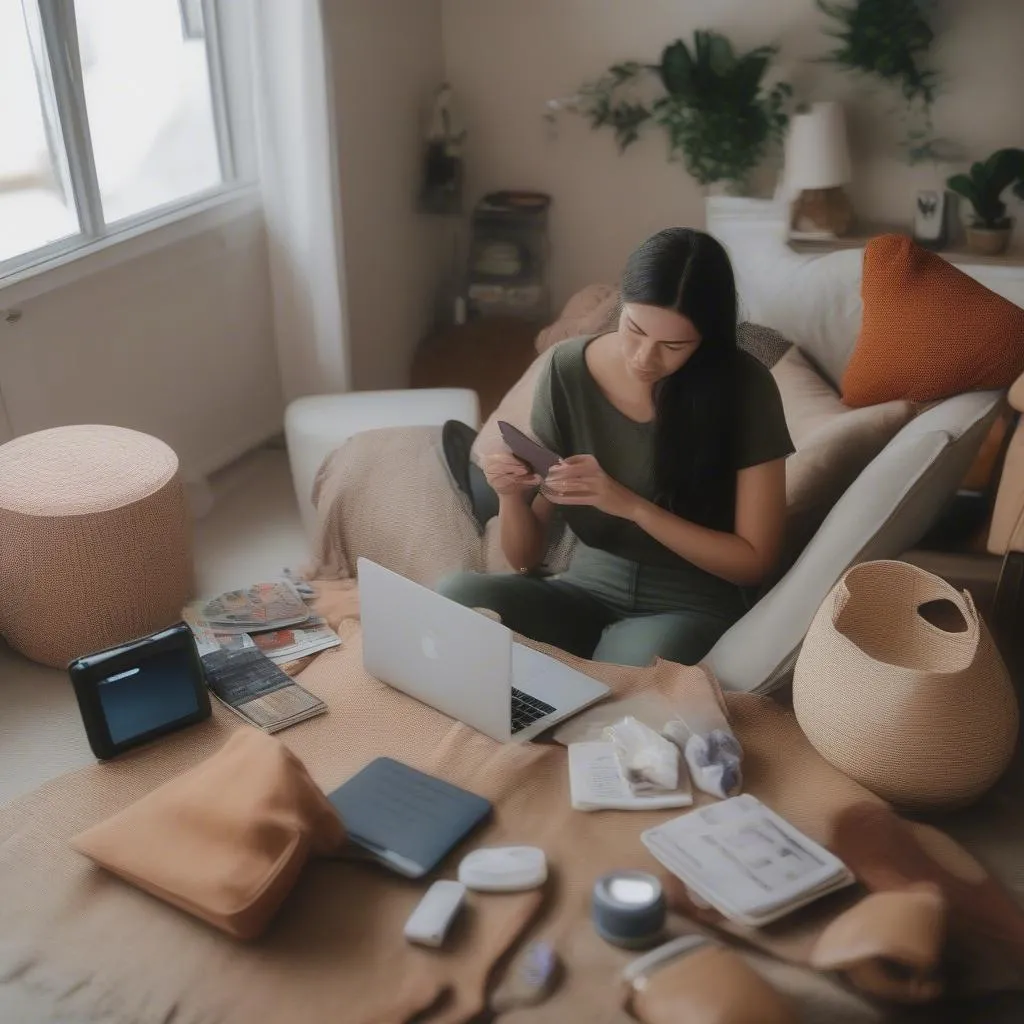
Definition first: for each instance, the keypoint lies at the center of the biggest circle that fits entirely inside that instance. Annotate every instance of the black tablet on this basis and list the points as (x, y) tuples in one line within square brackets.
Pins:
[(138, 691)]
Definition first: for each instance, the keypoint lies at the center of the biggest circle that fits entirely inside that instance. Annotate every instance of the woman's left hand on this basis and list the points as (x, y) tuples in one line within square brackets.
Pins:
[(580, 480)]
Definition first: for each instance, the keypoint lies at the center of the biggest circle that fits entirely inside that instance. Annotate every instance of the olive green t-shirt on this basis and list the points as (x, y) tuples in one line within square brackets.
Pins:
[(572, 416)]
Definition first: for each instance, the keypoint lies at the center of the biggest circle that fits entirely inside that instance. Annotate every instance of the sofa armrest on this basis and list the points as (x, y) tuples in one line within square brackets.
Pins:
[(886, 510)]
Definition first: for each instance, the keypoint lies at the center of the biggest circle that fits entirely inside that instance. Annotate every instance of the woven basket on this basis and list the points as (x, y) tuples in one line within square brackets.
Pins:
[(924, 716)]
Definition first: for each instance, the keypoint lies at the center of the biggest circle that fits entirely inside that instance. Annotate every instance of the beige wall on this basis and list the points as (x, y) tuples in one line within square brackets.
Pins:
[(176, 342), (387, 60), (506, 58)]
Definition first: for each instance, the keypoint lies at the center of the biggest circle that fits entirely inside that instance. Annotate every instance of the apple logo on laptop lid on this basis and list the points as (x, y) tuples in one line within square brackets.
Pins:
[(429, 645)]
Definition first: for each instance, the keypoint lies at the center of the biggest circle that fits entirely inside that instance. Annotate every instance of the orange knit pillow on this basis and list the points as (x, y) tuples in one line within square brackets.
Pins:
[(928, 330)]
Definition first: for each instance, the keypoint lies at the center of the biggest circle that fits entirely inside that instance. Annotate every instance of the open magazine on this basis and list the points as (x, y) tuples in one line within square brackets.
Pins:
[(269, 605), (272, 615), (257, 690), (243, 666)]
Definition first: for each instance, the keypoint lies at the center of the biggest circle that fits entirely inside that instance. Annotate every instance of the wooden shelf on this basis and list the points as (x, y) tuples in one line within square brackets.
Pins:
[(955, 252)]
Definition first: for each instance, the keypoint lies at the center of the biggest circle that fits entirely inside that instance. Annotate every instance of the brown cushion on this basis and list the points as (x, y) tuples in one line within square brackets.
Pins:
[(591, 310), (833, 444), (225, 841), (765, 344), (928, 330)]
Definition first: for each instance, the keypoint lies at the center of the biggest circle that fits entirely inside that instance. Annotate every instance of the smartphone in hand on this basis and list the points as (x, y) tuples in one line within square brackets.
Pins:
[(537, 457)]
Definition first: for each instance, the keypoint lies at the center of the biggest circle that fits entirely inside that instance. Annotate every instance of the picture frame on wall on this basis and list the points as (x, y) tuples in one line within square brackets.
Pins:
[(930, 218)]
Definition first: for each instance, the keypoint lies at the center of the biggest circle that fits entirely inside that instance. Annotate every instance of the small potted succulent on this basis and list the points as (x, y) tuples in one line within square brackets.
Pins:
[(983, 188)]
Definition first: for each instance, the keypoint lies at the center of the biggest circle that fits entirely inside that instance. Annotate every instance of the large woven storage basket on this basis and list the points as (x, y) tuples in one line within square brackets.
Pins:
[(922, 715)]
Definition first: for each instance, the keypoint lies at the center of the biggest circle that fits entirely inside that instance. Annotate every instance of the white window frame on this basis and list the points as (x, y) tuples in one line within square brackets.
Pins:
[(60, 41)]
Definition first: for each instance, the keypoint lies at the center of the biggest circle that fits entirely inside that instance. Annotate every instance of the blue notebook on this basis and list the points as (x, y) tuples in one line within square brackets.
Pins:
[(406, 820)]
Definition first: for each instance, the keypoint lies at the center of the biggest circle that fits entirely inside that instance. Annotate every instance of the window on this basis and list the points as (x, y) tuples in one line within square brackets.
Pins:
[(111, 112)]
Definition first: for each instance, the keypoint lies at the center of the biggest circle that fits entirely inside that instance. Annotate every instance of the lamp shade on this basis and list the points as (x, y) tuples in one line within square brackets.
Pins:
[(817, 155)]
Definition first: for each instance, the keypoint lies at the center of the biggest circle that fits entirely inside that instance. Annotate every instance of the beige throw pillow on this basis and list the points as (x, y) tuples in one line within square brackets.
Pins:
[(833, 444), (589, 311), (515, 408)]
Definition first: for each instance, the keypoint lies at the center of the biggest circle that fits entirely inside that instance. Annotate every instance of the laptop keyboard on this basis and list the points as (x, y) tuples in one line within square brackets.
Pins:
[(526, 710)]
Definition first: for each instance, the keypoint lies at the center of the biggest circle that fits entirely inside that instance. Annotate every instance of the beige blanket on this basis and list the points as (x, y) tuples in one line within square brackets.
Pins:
[(80, 945), (415, 522)]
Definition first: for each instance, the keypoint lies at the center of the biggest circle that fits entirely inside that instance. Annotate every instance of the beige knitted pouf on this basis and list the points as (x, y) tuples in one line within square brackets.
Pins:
[(95, 540)]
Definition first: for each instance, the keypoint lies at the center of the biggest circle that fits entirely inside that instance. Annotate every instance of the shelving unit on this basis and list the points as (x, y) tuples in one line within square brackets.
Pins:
[(955, 252), (506, 273)]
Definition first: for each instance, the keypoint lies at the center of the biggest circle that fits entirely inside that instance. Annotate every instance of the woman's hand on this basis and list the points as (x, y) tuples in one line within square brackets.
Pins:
[(508, 475), (580, 480)]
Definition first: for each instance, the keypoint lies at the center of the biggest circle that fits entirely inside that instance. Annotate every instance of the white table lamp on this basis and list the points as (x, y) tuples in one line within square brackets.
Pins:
[(817, 168)]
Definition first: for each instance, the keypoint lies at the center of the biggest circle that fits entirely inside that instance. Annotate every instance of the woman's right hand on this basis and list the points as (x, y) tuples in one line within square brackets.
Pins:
[(508, 475)]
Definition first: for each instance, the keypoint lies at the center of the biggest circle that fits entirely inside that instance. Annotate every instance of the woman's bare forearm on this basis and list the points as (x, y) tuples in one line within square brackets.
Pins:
[(524, 530)]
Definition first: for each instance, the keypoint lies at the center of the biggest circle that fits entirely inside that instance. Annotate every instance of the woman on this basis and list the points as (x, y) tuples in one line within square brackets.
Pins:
[(672, 474)]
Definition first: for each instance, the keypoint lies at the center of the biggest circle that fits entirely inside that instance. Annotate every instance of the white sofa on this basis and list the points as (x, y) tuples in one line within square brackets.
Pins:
[(415, 524), (815, 302)]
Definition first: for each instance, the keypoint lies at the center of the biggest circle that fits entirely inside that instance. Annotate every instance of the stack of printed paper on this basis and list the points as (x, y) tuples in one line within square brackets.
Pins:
[(745, 860)]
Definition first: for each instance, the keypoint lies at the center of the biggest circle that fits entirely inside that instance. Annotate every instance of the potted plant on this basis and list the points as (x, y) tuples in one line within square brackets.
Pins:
[(891, 40), (717, 114), (983, 188)]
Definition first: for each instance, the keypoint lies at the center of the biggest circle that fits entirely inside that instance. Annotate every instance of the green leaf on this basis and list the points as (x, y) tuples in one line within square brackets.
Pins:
[(721, 58), (963, 186), (625, 71), (677, 69), (1003, 168)]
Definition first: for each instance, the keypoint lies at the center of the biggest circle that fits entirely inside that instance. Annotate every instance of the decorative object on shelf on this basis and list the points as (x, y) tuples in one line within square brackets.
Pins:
[(900, 686), (508, 252), (891, 40), (719, 117), (441, 193), (930, 219), (817, 167), (441, 190), (983, 188)]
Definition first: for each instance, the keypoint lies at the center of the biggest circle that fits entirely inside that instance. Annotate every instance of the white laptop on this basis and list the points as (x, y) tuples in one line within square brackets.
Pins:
[(461, 662)]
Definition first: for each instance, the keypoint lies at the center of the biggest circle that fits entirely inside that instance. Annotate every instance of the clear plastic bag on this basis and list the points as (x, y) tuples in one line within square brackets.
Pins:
[(711, 751), (648, 761)]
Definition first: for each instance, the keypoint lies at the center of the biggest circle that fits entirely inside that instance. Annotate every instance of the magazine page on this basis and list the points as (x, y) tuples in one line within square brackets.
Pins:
[(282, 646), (266, 605)]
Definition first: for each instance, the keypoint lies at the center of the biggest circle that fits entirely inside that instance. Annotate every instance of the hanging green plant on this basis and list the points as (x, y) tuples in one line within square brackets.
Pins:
[(718, 116), (887, 38), (891, 40)]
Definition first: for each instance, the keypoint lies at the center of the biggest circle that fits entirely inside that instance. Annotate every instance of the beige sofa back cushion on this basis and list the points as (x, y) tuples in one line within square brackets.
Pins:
[(833, 444), (514, 408), (591, 310)]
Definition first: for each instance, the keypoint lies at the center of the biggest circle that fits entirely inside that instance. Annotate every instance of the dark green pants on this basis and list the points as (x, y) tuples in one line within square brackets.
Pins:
[(607, 609)]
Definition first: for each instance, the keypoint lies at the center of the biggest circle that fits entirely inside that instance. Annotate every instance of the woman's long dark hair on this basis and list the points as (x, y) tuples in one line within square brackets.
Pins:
[(695, 408)]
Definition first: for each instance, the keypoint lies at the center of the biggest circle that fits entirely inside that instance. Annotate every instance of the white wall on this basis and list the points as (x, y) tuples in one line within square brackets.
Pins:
[(176, 343), (387, 59), (506, 58)]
